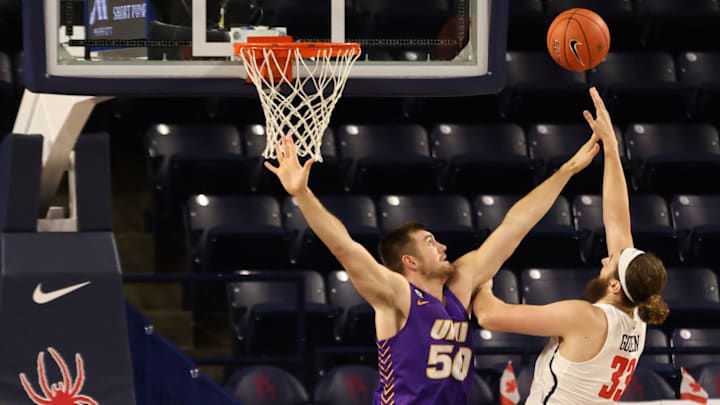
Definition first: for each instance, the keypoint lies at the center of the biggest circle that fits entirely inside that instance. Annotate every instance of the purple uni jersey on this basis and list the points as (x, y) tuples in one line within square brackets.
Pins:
[(429, 361)]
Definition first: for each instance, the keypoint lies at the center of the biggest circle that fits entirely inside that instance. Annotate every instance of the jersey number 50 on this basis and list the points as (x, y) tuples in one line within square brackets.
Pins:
[(441, 365), (623, 367)]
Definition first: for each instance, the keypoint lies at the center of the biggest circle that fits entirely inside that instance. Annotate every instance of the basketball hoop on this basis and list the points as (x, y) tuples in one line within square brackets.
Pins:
[(298, 84)]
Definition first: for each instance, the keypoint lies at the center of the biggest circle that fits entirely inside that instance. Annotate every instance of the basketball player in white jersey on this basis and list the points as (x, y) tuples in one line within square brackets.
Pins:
[(595, 345)]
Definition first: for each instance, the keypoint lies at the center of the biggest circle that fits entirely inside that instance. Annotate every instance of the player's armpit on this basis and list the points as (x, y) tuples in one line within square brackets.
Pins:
[(380, 286)]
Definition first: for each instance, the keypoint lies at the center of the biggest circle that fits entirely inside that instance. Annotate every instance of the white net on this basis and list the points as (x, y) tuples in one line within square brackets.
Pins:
[(298, 94)]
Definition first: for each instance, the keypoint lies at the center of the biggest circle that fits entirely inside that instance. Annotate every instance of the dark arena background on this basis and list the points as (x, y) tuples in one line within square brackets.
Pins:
[(147, 257)]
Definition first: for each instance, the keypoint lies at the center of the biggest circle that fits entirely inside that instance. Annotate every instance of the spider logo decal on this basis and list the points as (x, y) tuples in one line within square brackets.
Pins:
[(66, 392)]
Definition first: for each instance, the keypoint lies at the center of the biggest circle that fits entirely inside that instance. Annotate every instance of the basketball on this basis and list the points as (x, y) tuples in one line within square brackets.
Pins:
[(578, 39)]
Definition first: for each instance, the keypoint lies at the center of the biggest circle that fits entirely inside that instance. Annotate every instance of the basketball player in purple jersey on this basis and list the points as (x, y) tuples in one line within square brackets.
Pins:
[(422, 301), (594, 348)]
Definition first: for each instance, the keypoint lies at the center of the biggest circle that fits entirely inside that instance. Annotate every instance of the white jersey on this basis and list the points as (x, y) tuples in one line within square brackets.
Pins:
[(598, 381)]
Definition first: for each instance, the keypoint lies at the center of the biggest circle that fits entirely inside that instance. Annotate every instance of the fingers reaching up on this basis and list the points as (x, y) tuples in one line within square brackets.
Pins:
[(601, 124), (291, 174)]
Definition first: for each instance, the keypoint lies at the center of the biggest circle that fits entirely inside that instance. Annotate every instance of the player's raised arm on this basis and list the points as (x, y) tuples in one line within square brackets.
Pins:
[(555, 319), (616, 205), (378, 285), (480, 265)]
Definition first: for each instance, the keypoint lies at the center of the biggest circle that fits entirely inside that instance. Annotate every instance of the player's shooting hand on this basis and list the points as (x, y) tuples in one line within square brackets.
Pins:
[(584, 155), (601, 124), (291, 174)]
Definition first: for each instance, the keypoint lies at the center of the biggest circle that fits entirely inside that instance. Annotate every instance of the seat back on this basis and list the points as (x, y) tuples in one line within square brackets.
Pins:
[(505, 286), (634, 68), (686, 286), (225, 233), (489, 348), (491, 141), (647, 385), (472, 155), (696, 338), (266, 385), (448, 217), (390, 141), (355, 321), (588, 221), (357, 213), (708, 376), (349, 384), (647, 141), (481, 393), (544, 286)]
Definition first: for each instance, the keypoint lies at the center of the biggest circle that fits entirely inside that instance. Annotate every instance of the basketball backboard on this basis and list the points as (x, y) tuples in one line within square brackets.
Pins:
[(183, 47)]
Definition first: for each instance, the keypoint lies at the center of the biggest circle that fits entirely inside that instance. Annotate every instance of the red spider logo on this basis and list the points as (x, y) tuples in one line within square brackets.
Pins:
[(60, 393)]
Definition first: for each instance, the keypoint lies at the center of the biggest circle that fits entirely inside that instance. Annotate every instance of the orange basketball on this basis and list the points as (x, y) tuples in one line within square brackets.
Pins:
[(578, 39)]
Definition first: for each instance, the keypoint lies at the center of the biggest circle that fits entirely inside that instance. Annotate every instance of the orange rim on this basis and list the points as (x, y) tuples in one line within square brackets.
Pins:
[(286, 43)]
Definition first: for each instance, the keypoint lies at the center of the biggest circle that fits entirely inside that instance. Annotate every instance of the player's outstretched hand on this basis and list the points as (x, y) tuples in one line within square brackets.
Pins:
[(601, 124), (291, 174), (584, 155)]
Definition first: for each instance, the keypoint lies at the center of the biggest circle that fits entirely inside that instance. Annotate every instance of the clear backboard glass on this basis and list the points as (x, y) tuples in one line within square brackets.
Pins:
[(186, 39)]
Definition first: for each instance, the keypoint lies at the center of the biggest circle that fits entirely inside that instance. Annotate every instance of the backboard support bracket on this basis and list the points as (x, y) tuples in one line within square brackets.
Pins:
[(59, 118)]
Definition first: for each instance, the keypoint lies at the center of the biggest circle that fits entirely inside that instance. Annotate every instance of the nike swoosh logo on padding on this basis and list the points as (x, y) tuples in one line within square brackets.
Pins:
[(573, 45), (421, 303), (40, 297)]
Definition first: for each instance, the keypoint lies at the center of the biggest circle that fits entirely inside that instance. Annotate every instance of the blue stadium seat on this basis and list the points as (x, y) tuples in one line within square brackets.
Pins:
[(355, 325), (708, 376), (628, 80), (674, 158), (544, 286), (347, 385), (524, 376), (482, 158), (505, 286), (233, 232), (533, 78), (699, 71), (657, 340), (387, 159), (647, 385), (358, 215), (626, 27), (448, 217), (195, 159), (481, 393), (651, 225), (265, 313), (326, 177), (551, 145), (588, 220), (554, 233), (692, 294), (677, 25), (494, 349), (707, 340), (266, 385), (697, 222)]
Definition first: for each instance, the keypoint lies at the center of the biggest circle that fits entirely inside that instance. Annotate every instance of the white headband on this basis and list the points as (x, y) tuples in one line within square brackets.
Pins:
[(627, 256)]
